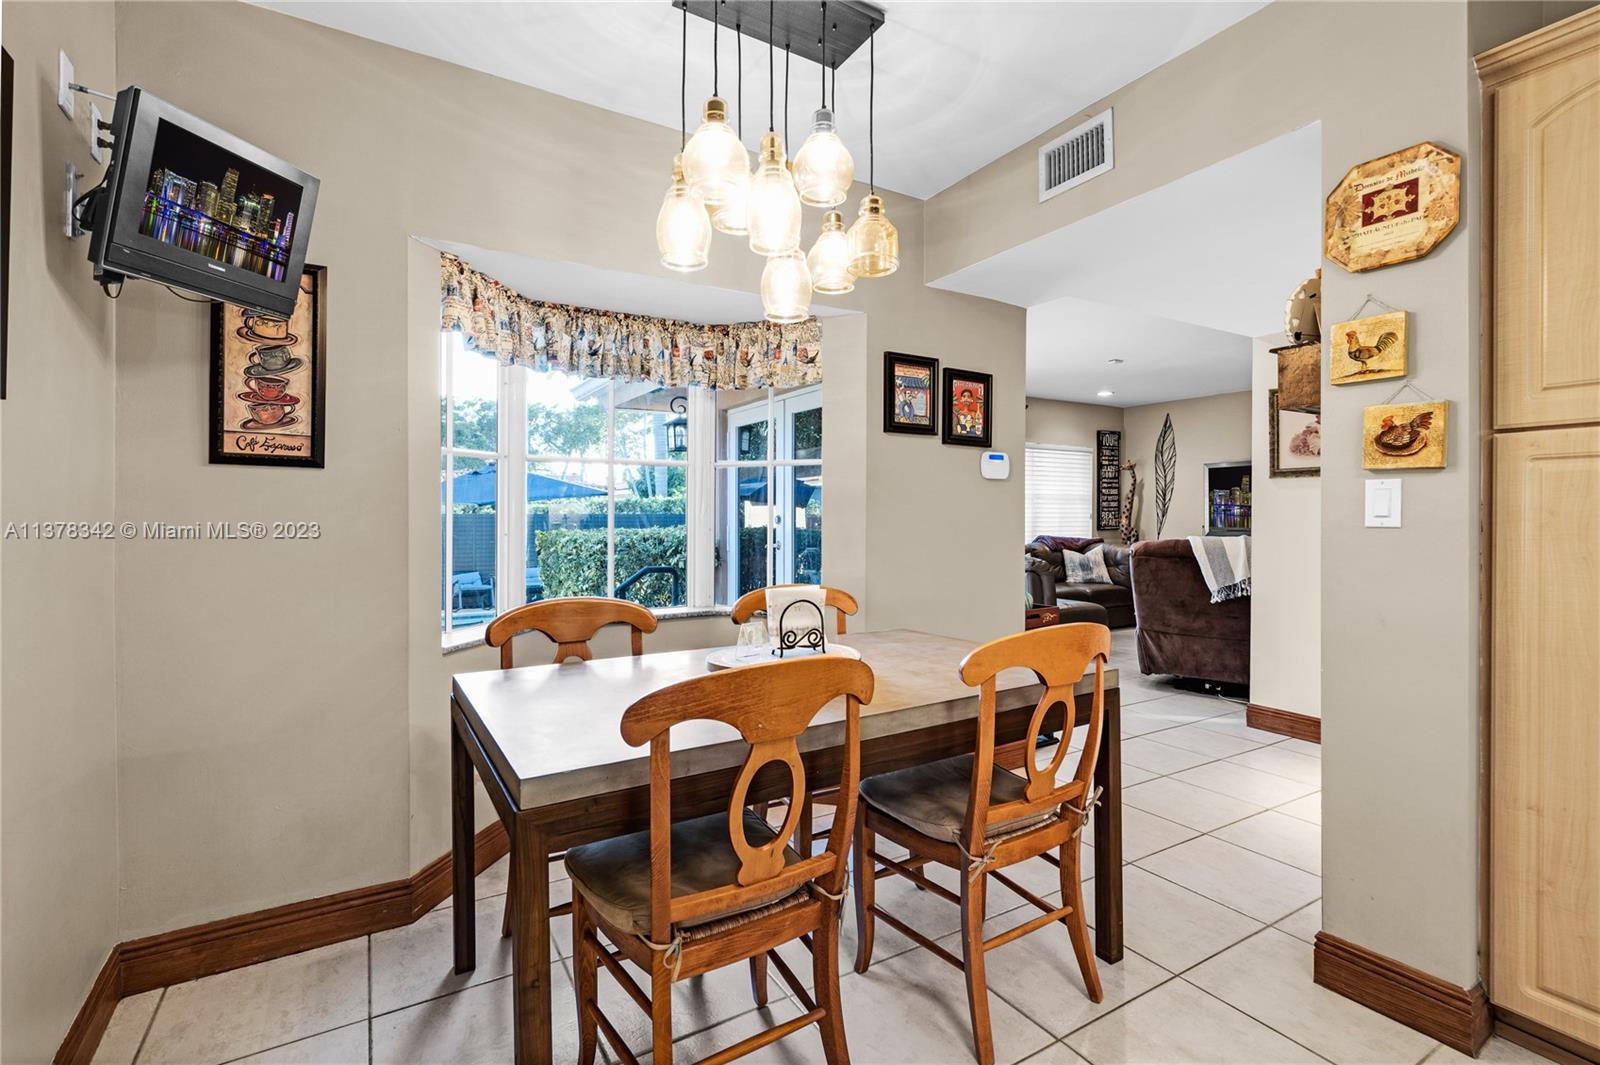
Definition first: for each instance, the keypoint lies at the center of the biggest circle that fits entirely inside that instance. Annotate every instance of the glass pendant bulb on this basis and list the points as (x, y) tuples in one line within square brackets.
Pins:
[(713, 159), (732, 216), (683, 232), (786, 288), (829, 260), (874, 242), (823, 169), (774, 204)]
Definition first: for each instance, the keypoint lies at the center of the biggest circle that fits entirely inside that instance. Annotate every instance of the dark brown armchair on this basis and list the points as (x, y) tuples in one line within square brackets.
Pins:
[(1181, 631)]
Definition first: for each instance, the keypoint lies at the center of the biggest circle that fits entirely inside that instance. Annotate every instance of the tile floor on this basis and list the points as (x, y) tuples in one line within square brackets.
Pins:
[(1223, 896)]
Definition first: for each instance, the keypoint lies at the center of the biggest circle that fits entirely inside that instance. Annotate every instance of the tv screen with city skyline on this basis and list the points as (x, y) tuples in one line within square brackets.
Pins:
[(205, 199)]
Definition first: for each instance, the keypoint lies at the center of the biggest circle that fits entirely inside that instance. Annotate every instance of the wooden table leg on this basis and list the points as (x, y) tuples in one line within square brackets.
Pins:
[(530, 942), (462, 856), (1108, 835)]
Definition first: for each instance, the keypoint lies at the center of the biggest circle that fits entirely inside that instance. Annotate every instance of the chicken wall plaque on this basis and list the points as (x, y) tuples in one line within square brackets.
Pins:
[(1394, 209), (1368, 349), (1404, 436)]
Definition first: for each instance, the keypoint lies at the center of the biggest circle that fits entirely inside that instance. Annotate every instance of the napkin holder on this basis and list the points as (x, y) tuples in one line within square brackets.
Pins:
[(795, 634)]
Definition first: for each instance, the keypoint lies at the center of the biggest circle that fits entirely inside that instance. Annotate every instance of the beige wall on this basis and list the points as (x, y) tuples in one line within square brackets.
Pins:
[(338, 778), (58, 726), (1401, 750), (1054, 421), (1285, 565), (1208, 429)]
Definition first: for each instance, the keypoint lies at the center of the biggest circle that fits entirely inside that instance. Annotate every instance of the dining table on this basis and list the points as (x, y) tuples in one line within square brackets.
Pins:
[(546, 742)]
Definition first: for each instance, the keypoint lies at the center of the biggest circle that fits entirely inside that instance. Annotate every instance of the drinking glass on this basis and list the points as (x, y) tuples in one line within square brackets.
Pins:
[(753, 638)]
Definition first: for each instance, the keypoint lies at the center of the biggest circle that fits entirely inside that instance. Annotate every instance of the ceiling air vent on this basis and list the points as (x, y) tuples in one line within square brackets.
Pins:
[(1081, 153)]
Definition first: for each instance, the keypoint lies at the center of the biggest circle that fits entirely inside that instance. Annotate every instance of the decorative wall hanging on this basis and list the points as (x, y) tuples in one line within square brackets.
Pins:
[(967, 397), (1129, 531), (1302, 314), (910, 394), (1107, 478), (1166, 467), (268, 380), (1394, 209), (1300, 376), (1294, 441), (7, 76), (1400, 436), (495, 320), (1368, 349)]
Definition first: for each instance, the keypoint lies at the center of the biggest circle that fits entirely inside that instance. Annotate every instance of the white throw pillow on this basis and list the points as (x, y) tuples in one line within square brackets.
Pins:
[(1087, 568)]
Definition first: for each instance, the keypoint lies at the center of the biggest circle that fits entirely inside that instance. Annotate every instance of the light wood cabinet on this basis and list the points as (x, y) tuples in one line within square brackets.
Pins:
[(1542, 120)]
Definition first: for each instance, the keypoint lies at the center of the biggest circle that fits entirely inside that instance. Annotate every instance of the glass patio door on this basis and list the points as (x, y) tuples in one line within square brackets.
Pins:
[(773, 524)]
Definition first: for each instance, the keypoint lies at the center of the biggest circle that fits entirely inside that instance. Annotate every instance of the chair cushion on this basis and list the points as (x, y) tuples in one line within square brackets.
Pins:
[(1107, 595), (614, 874), (933, 798)]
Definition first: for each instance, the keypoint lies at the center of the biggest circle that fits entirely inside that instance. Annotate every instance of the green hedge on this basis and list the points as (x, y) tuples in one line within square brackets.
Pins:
[(573, 562)]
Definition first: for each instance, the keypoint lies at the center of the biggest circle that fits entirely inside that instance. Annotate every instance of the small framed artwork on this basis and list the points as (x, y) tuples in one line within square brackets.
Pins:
[(1368, 349), (1404, 436), (966, 398), (910, 386), (269, 380), (1294, 440)]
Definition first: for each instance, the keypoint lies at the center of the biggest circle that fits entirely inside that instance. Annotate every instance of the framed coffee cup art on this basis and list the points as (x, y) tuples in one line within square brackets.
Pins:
[(965, 398), (268, 380)]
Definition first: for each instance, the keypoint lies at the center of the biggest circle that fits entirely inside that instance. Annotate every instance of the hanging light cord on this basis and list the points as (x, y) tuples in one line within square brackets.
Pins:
[(716, 49), (683, 83), (824, 43), (786, 93), (772, 66), (738, 52), (872, 110)]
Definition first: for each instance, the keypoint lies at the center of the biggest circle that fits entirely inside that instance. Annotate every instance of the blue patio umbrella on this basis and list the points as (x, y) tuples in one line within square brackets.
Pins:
[(478, 486), (754, 490)]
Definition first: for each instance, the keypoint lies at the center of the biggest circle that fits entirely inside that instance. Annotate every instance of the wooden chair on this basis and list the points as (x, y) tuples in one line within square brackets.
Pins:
[(679, 900), (570, 623), (843, 603), (976, 818)]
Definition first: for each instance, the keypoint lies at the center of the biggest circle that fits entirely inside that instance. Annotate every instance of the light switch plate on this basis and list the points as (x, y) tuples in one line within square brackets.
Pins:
[(1383, 503), (64, 76), (95, 118)]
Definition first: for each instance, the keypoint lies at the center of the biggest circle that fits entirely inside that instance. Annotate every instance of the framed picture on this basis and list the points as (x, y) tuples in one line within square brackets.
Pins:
[(1294, 441), (910, 384), (1404, 436), (1107, 478), (966, 399), (269, 380), (8, 71), (1393, 209), (1368, 349)]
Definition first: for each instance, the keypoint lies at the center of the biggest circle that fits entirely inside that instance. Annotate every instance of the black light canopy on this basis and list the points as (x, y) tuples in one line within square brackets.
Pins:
[(797, 26)]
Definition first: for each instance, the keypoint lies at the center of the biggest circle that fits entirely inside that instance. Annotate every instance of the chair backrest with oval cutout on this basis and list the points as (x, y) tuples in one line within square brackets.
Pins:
[(571, 623), (1058, 655), (770, 705), (843, 603)]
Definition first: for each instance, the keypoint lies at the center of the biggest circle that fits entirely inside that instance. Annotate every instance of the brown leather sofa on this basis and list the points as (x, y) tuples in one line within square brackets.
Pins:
[(1181, 631), (1042, 579)]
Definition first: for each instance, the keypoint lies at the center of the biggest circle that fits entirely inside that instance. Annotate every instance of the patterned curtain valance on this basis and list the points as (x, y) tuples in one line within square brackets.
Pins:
[(497, 321)]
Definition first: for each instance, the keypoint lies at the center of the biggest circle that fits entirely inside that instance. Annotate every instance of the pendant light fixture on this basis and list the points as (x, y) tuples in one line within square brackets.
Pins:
[(874, 241), (830, 258), (823, 168), (732, 216), (683, 232), (714, 162), (786, 288), (774, 204)]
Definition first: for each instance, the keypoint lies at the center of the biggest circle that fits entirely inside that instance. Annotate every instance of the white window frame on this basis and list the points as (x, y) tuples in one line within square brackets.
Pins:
[(1088, 455), (702, 472)]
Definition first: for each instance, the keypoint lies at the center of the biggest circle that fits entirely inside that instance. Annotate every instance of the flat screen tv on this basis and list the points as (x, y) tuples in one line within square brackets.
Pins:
[(188, 204)]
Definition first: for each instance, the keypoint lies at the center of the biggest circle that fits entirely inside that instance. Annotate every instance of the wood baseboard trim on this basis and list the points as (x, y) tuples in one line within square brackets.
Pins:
[(1284, 722), (203, 950), (1542, 1040), (1458, 1017)]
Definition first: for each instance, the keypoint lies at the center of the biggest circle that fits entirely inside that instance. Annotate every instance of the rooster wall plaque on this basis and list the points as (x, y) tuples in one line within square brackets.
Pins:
[(1400, 436), (1368, 349)]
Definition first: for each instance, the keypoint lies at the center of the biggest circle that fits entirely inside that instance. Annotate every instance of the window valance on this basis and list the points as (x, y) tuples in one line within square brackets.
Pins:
[(495, 320)]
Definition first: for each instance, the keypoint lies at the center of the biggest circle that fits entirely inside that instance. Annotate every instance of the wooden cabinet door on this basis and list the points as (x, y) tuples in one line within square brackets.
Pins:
[(1546, 361), (1545, 730)]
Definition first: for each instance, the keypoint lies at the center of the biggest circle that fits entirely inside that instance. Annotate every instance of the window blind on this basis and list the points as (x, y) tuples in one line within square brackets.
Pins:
[(1059, 491)]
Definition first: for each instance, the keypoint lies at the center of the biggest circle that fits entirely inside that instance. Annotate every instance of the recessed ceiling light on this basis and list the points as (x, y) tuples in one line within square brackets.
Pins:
[(1105, 392), (1115, 362)]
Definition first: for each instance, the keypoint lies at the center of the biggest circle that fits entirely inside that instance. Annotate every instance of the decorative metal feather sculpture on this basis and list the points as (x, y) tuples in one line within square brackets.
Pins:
[(1130, 534), (1166, 472)]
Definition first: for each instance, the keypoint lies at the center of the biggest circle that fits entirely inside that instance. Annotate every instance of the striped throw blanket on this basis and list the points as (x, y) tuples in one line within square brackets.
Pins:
[(1225, 564)]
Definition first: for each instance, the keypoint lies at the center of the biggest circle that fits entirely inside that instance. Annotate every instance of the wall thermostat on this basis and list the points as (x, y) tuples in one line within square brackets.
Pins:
[(994, 466)]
